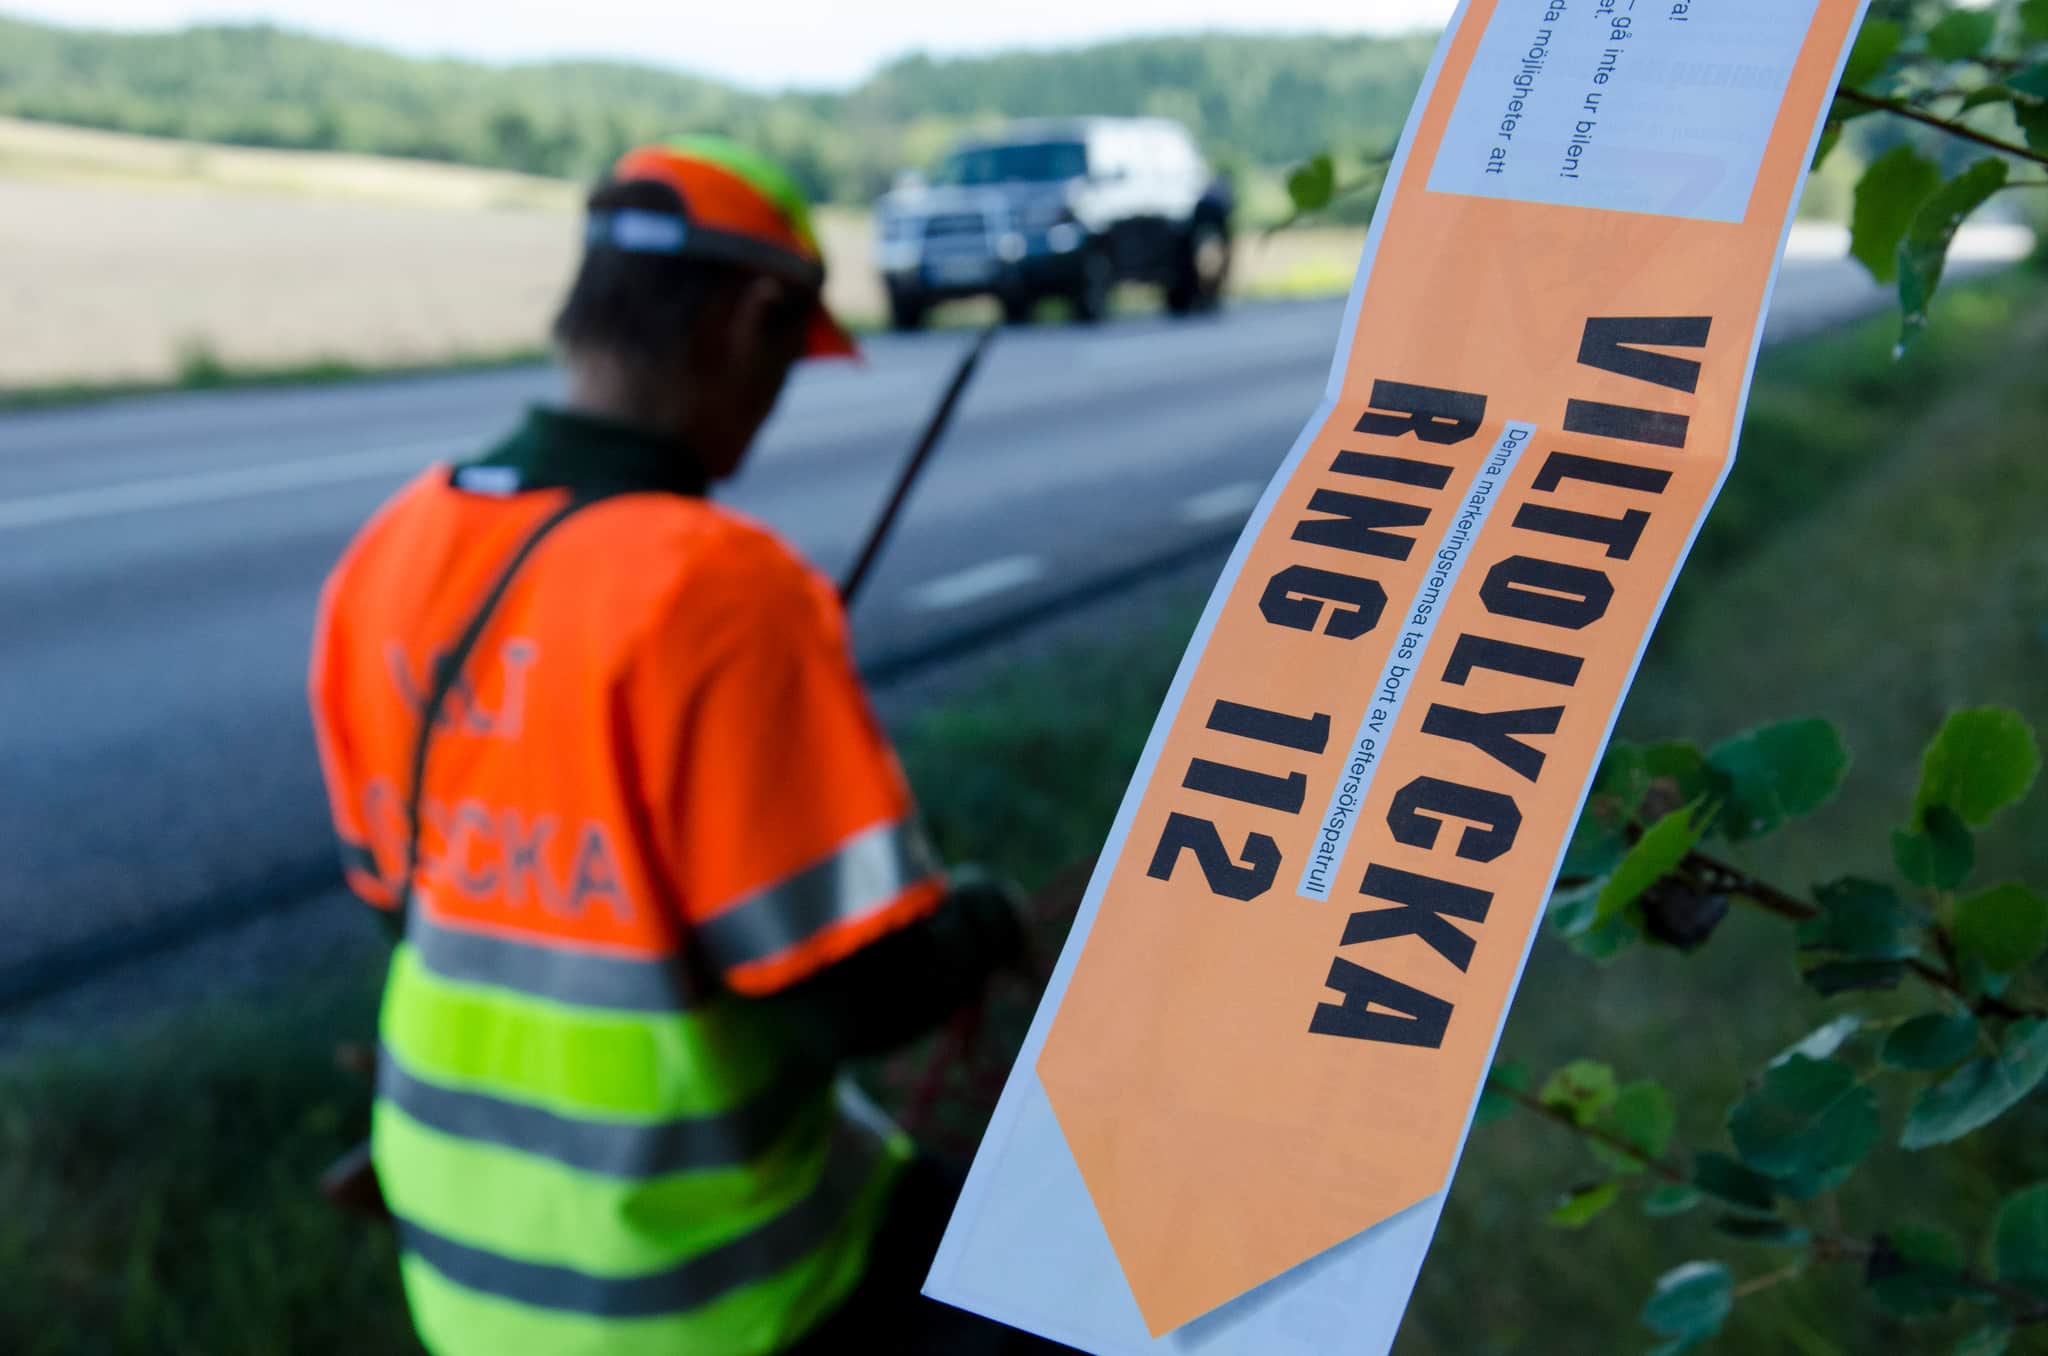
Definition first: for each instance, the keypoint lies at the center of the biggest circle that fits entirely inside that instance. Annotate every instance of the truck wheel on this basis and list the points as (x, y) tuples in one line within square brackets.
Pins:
[(1091, 293), (906, 311), (1204, 265), (1018, 307)]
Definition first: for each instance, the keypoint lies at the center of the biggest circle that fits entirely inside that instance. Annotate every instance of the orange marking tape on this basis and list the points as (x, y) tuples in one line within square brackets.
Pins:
[(1270, 1027)]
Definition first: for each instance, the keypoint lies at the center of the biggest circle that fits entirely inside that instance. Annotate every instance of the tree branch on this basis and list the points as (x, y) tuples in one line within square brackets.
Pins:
[(1769, 897), (2027, 1307), (1948, 125), (1530, 1102)]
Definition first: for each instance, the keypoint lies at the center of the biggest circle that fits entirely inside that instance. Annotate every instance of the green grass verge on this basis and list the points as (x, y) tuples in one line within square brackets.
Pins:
[(199, 368), (1875, 557)]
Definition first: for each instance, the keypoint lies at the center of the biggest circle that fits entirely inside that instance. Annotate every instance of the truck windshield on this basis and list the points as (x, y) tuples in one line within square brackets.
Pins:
[(1034, 162)]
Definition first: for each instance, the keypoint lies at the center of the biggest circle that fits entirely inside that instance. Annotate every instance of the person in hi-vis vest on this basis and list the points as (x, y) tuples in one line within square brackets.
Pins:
[(598, 748)]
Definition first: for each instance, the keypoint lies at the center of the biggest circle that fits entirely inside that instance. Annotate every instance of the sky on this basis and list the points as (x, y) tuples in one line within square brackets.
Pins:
[(766, 44)]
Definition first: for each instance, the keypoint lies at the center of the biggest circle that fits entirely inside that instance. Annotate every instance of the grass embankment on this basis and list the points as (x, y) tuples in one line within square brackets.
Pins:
[(1876, 557)]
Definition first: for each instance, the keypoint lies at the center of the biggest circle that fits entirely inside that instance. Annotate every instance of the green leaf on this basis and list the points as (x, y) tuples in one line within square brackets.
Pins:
[(1981, 1091), (1941, 855), (1641, 1116), (2004, 929), (1804, 1116), (1494, 1104), (2030, 108), (1875, 43), (1931, 1041), (1776, 772), (1571, 913), (2030, 81), (1583, 1089), (1686, 769), (1576, 1210), (1690, 1302), (1916, 1271), (1989, 1340), (1979, 762), (1961, 34), (1670, 1199), (2019, 1246), (1662, 847), (1728, 1182), (1312, 184), (1887, 197), (1772, 1232), (1804, 1186), (1924, 252), (1597, 847), (1822, 1041), (2034, 20), (1860, 920), (1853, 976)]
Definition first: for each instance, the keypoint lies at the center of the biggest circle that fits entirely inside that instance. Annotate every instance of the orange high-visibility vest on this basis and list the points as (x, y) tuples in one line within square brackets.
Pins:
[(655, 789)]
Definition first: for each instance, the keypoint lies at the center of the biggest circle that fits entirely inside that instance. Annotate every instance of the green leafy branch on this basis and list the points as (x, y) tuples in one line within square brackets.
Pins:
[(1638, 869), (1717, 1181)]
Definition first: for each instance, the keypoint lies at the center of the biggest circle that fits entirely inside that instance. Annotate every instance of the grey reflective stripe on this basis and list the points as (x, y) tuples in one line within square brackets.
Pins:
[(779, 1243), (627, 1149), (862, 874), (550, 969)]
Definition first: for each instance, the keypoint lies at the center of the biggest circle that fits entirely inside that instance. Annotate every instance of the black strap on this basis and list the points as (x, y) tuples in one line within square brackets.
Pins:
[(448, 668)]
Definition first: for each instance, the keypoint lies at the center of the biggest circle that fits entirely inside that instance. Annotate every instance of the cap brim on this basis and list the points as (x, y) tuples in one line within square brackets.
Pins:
[(828, 338)]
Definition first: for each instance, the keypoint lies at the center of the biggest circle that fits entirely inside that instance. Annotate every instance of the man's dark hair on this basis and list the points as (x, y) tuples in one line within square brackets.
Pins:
[(642, 309)]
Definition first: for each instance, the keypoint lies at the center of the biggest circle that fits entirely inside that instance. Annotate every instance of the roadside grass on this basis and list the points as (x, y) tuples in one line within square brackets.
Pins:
[(1876, 557), (199, 367)]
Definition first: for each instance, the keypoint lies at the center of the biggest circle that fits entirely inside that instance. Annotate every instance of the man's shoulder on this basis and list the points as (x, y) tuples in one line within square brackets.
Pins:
[(721, 568)]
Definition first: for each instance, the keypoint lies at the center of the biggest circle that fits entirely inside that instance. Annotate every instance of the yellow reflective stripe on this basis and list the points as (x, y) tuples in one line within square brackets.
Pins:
[(574, 1060)]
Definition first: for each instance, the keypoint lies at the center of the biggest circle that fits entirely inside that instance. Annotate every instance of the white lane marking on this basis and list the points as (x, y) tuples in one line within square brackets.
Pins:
[(976, 582), (1234, 500), (211, 487)]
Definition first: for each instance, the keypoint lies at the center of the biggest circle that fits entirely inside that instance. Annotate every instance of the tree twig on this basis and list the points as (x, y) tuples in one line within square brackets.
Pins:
[(1827, 1246), (1771, 899), (1529, 1102), (1948, 125)]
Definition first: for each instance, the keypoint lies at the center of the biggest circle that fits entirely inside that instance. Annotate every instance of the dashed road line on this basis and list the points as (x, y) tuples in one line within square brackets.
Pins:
[(1234, 500), (213, 487), (976, 582)]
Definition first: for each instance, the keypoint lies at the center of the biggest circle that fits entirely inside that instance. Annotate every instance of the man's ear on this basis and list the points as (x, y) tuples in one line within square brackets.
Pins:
[(759, 316)]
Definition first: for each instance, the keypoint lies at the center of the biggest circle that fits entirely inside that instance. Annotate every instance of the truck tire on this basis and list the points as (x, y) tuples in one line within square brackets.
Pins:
[(1018, 307), (1203, 267), (1090, 296), (906, 311)]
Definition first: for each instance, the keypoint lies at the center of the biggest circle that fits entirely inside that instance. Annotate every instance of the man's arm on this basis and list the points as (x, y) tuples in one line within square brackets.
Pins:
[(901, 986)]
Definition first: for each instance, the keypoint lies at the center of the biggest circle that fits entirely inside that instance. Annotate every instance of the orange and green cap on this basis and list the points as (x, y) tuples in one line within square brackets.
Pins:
[(735, 206)]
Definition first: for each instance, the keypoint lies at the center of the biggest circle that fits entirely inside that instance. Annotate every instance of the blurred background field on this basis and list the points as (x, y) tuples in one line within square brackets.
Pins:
[(131, 259)]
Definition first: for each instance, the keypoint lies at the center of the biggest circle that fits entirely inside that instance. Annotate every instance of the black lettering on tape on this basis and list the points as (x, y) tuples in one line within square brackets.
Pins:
[(1295, 596)]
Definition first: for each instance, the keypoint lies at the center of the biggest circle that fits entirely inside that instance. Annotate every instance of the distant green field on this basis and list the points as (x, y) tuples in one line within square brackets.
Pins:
[(1877, 557)]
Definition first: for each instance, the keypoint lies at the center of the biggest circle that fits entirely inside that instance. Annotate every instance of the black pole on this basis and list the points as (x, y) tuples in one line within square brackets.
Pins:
[(933, 431)]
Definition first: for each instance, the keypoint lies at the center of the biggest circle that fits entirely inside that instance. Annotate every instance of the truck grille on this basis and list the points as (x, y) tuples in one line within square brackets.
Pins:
[(955, 224)]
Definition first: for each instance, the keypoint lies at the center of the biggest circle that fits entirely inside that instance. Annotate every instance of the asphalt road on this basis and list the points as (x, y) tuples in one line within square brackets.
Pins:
[(160, 557)]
